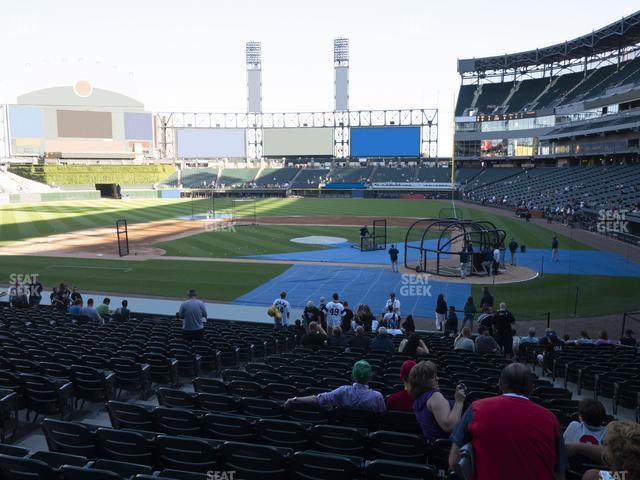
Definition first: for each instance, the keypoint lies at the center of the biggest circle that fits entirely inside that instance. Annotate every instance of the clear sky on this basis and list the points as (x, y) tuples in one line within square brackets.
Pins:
[(189, 54)]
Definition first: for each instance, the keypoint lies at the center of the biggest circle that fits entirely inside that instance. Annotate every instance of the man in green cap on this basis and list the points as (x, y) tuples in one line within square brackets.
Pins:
[(358, 395)]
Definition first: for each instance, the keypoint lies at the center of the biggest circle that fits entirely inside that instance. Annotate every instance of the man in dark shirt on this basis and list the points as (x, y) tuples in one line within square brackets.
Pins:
[(510, 431), (360, 340), (364, 231), (503, 322), (35, 292), (464, 263), (554, 249), (393, 255), (347, 317), (383, 341), (315, 338), (513, 248), (628, 339), (487, 298)]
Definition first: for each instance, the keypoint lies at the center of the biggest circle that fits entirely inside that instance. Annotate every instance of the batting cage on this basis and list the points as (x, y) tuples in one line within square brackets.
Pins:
[(433, 245)]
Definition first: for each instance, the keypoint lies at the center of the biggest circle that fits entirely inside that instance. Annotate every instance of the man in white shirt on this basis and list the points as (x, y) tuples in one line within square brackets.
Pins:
[(335, 311), (394, 303), (284, 307), (590, 428)]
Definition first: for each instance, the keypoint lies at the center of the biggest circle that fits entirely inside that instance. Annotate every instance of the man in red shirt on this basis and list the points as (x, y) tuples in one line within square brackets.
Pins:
[(512, 437), (401, 400)]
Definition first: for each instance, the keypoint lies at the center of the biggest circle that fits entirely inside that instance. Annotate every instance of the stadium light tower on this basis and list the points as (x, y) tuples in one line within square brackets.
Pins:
[(254, 77), (341, 76)]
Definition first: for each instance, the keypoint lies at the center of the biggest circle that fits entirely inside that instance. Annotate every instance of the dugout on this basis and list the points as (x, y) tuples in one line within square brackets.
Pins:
[(433, 245)]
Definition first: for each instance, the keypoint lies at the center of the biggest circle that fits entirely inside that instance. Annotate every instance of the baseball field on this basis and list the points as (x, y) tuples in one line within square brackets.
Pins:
[(75, 242)]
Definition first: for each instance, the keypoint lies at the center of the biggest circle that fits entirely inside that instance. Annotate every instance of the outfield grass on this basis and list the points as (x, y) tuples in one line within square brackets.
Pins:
[(213, 280), (557, 294), (34, 220), (261, 240)]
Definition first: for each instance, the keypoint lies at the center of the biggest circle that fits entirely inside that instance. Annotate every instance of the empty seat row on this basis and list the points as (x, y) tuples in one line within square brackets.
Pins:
[(231, 461)]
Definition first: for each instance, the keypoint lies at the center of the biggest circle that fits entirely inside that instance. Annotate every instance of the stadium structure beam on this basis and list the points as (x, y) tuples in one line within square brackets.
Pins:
[(614, 40), (4, 132)]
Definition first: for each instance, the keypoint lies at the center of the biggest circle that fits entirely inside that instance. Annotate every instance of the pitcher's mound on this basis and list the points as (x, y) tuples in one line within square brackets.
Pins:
[(319, 240)]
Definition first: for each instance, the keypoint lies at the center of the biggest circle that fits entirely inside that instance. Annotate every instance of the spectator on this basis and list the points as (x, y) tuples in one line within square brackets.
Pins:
[(360, 340), (464, 341), (485, 342), (390, 319), (347, 318), (56, 300), (413, 345), (103, 308), (603, 338), (75, 295), (337, 339), (298, 330), (193, 315), (358, 395), (628, 339), (469, 313), (441, 312), (487, 299), (284, 307), (383, 341), (408, 325), (590, 428), (364, 317), (503, 321), (335, 312), (485, 319), (525, 443), (310, 314), (620, 450), (122, 313), (584, 339), (90, 312), (401, 400), (322, 306), (531, 337), (65, 295), (451, 323), (394, 303), (315, 338), (76, 308), (35, 291), (434, 413), (18, 296)]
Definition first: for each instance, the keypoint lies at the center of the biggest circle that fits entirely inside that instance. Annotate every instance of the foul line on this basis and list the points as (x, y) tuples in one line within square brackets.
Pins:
[(89, 266)]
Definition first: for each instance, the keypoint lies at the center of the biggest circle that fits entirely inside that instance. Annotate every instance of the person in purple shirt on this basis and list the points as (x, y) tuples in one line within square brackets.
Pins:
[(358, 395), (435, 414)]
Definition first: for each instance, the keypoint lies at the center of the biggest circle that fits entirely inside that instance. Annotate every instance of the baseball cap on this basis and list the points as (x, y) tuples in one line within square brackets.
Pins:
[(362, 371), (405, 369)]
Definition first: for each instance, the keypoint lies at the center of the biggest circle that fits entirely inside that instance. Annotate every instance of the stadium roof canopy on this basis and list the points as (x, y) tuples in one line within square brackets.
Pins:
[(620, 34)]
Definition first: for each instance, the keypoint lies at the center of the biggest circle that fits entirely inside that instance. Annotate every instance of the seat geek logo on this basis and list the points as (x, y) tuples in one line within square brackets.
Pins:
[(415, 285), (612, 221), (221, 474)]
